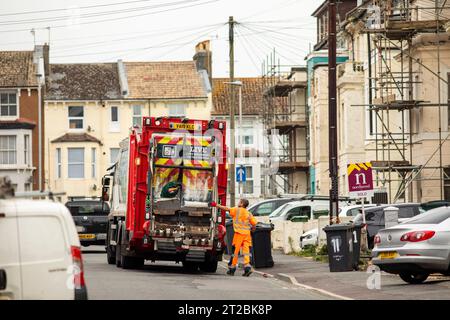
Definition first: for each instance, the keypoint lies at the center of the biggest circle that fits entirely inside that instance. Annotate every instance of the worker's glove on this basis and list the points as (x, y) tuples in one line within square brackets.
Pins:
[(212, 204), (253, 228)]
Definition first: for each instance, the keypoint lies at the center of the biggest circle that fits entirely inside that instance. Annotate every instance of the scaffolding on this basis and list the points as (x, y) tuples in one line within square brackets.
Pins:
[(391, 26), (285, 121)]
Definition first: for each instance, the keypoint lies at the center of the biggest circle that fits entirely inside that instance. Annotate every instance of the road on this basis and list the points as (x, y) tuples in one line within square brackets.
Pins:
[(165, 281)]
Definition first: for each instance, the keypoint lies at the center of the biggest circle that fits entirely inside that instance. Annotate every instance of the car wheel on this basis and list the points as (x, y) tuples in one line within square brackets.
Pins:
[(413, 278)]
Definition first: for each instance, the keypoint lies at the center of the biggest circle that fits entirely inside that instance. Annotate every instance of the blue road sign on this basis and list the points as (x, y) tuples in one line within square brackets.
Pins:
[(241, 174)]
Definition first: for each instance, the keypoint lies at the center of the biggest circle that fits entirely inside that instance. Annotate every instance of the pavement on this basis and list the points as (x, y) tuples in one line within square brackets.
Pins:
[(316, 277), (169, 281)]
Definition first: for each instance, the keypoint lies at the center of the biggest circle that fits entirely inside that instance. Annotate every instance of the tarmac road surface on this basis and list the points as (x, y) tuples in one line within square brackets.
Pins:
[(167, 280)]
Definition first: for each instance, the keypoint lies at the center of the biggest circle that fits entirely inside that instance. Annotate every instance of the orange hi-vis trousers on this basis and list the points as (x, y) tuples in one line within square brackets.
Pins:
[(243, 241)]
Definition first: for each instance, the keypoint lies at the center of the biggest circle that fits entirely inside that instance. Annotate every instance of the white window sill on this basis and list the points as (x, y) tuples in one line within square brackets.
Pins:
[(9, 118), (16, 167)]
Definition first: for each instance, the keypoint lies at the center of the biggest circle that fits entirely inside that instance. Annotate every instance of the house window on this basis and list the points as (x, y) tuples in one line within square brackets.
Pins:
[(76, 117), (58, 163), (248, 184), (8, 150), (115, 127), (247, 136), (177, 109), (26, 149), (113, 154), (93, 163), (75, 163), (8, 104), (137, 116)]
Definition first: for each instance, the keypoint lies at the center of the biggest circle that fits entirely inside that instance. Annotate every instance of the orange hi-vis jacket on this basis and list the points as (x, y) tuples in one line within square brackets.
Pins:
[(243, 220)]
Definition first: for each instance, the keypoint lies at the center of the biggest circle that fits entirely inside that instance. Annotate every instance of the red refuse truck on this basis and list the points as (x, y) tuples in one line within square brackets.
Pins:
[(167, 173)]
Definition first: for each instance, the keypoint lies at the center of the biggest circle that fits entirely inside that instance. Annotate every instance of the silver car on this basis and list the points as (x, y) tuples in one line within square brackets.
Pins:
[(415, 248)]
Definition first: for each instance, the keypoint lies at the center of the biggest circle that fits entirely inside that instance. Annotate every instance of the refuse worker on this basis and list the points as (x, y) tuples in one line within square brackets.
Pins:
[(243, 223), (170, 190)]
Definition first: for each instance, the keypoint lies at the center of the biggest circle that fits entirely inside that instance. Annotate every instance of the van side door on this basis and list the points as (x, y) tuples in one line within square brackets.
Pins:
[(10, 268), (46, 257)]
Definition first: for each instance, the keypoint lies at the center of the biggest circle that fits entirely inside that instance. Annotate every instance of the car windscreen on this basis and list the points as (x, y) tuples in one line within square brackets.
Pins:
[(278, 211), (433, 216), (88, 208)]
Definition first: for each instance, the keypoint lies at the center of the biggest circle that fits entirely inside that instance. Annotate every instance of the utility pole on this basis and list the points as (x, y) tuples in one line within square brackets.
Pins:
[(332, 112), (231, 167)]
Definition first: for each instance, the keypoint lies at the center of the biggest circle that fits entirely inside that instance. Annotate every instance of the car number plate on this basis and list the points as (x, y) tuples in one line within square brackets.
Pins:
[(87, 236), (80, 228), (388, 255), (101, 236)]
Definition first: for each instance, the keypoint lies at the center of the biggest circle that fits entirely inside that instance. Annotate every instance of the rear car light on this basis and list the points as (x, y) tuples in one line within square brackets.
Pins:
[(377, 239), (78, 277), (417, 236)]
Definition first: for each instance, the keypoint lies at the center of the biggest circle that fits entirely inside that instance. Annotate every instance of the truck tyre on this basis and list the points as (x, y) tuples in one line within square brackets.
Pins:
[(110, 255), (413, 278), (210, 265), (190, 266), (118, 245)]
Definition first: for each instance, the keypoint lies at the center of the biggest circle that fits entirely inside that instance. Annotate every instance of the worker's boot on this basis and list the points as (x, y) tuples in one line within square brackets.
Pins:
[(247, 271), (231, 271)]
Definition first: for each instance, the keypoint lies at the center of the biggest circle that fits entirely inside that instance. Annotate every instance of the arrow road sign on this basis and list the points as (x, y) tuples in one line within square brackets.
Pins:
[(241, 174)]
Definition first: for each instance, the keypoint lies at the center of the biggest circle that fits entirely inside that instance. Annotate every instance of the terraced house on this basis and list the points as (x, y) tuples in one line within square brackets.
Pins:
[(22, 74), (91, 107)]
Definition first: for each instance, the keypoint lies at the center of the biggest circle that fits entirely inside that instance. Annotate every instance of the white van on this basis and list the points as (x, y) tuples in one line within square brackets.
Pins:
[(40, 255), (309, 208)]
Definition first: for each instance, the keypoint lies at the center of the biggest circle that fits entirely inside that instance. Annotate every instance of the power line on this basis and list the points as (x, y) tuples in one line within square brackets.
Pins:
[(65, 9), (92, 14), (118, 18)]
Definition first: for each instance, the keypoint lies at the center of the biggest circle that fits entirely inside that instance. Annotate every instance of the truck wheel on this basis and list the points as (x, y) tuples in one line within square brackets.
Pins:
[(190, 266), (413, 278), (209, 266), (118, 245), (132, 262), (110, 256)]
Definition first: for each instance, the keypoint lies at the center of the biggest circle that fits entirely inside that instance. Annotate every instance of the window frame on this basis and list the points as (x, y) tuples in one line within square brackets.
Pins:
[(58, 160), (137, 116), (69, 164), (74, 118), (8, 150), (8, 104), (177, 113), (114, 125), (93, 163), (248, 179)]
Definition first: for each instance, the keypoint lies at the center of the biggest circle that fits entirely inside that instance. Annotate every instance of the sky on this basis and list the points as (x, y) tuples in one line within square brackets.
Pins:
[(162, 30)]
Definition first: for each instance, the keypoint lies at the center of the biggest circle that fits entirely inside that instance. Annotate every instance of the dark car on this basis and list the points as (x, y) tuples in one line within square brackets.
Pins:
[(434, 204), (375, 217), (91, 220), (266, 207)]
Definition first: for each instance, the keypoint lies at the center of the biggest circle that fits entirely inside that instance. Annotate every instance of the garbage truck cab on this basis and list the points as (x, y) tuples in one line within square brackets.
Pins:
[(166, 175)]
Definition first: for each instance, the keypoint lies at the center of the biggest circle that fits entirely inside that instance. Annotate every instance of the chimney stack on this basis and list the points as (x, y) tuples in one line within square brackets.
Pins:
[(203, 58)]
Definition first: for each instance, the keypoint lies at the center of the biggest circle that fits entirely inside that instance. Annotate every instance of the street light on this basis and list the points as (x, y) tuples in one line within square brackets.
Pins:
[(239, 133)]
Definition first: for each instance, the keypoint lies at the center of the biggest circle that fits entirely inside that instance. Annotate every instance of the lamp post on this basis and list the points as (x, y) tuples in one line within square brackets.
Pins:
[(239, 129)]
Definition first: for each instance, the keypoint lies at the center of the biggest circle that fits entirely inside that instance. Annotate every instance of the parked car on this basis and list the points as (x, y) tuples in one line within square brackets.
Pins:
[(311, 209), (375, 217), (266, 207), (40, 254), (353, 210), (434, 204), (91, 220), (309, 238), (415, 248)]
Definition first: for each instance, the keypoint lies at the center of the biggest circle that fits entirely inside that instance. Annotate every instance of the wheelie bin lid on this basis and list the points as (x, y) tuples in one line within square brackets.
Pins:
[(260, 226), (338, 227)]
